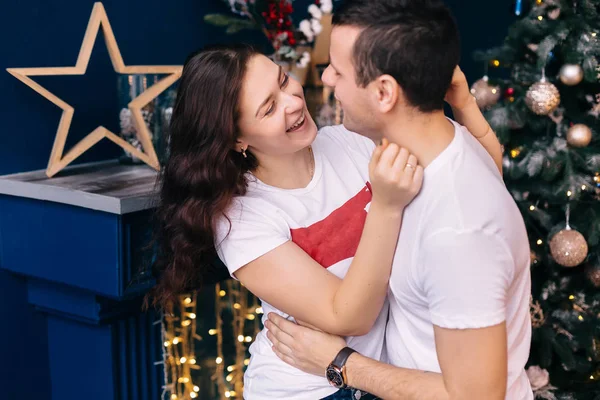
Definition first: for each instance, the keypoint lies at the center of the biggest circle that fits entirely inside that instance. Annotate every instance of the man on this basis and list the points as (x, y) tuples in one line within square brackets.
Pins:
[(459, 325)]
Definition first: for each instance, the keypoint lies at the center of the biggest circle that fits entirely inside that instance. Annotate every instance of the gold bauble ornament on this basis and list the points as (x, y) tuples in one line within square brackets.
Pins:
[(542, 97), (579, 135), (593, 274), (554, 14), (486, 95), (568, 248), (571, 74)]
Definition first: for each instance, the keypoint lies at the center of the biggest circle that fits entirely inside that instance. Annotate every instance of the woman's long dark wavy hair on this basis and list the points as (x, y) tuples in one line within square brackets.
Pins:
[(204, 171)]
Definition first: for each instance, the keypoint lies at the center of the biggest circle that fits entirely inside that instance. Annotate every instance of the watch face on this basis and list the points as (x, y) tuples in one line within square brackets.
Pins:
[(335, 377)]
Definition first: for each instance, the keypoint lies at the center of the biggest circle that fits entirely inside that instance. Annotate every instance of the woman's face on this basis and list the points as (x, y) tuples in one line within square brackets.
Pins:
[(274, 120)]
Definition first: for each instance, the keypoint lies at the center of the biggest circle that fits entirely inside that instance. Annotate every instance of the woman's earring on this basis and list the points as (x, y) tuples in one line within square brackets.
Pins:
[(244, 153)]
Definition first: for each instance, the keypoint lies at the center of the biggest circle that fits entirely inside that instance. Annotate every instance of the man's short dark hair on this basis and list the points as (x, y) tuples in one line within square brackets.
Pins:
[(415, 41)]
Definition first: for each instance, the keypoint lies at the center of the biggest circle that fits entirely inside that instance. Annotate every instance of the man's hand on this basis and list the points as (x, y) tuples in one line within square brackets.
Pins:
[(459, 95), (306, 349)]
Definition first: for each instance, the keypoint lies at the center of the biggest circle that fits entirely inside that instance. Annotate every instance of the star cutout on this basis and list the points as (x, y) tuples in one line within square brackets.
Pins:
[(58, 160)]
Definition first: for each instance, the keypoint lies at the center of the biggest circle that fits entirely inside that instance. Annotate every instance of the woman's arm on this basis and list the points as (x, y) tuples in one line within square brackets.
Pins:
[(467, 113), (290, 280)]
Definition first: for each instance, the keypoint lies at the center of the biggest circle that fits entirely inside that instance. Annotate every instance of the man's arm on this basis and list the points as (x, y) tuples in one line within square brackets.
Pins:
[(311, 351), (389, 382), (473, 363)]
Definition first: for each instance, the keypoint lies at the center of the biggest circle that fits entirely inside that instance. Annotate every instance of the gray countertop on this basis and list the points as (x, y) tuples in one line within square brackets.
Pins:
[(104, 186)]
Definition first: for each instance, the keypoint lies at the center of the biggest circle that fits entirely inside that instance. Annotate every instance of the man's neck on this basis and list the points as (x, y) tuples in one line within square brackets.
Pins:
[(423, 135)]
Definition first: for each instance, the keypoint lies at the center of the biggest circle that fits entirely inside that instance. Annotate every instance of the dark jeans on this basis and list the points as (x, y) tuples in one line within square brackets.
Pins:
[(350, 394)]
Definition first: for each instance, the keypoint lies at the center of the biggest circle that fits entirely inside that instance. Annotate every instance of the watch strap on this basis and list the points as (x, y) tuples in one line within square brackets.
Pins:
[(340, 360)]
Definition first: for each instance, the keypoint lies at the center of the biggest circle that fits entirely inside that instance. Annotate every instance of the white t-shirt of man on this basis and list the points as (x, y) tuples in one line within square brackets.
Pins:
[(462, 262), (326, 220)]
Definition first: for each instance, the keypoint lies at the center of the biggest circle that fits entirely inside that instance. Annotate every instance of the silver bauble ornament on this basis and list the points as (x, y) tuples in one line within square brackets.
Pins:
[(486, 95), (568, 248), (571, 74), (579, 135), (542, 97)]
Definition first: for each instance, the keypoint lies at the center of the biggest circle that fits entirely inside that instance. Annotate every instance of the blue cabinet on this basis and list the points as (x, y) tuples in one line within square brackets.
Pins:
[(81, 241)]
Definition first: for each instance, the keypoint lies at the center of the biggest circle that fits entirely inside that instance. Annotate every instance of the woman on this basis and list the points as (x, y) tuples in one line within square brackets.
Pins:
[(288, 211)]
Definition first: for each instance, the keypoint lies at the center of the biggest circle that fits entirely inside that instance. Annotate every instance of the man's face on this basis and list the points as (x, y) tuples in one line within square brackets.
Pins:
[(357, 102)]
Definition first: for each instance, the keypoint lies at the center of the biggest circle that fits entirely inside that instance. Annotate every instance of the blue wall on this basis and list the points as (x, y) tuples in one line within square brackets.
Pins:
[(482, 24), (49, 33), (38, 33)]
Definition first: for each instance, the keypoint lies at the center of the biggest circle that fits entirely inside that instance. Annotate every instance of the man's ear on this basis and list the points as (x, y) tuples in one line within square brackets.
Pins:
[(387, 93)]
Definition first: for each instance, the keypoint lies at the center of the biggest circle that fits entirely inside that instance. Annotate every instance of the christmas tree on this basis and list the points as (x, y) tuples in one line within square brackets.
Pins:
[(546, 114)]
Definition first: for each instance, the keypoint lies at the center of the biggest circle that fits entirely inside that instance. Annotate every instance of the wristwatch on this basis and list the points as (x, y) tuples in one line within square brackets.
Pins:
[(336, 371)]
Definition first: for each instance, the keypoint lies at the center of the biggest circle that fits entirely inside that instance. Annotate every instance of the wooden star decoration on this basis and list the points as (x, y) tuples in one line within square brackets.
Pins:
[(58, 161)]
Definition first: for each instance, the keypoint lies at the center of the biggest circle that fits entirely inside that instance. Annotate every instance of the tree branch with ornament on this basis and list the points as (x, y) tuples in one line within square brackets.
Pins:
[(275, 18)]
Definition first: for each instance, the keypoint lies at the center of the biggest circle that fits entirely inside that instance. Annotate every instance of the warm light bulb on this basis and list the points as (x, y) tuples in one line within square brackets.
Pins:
[(212, 332), (176, 340), (571, 297), (569, 193), (187, 322), (580, 318), (540, 18), (230, 368), (594, 34), (167, 344), (196, 389), (192, 316), (241, 338), (583, 187), (227, 394), (219, 360), (592, 377), (515, 153), (173, 397), (259, 310), (248, 339), (229, 378), (539, 242), (182, 360), (187, 300), (193, 395), (192, 361), (532, 208), (183, 380), (496, 64), (251, 317), (246, 361), (237, 306), (222, 293)]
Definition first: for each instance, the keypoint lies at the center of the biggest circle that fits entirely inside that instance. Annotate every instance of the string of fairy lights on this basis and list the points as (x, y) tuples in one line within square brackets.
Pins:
[(180, 348)]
